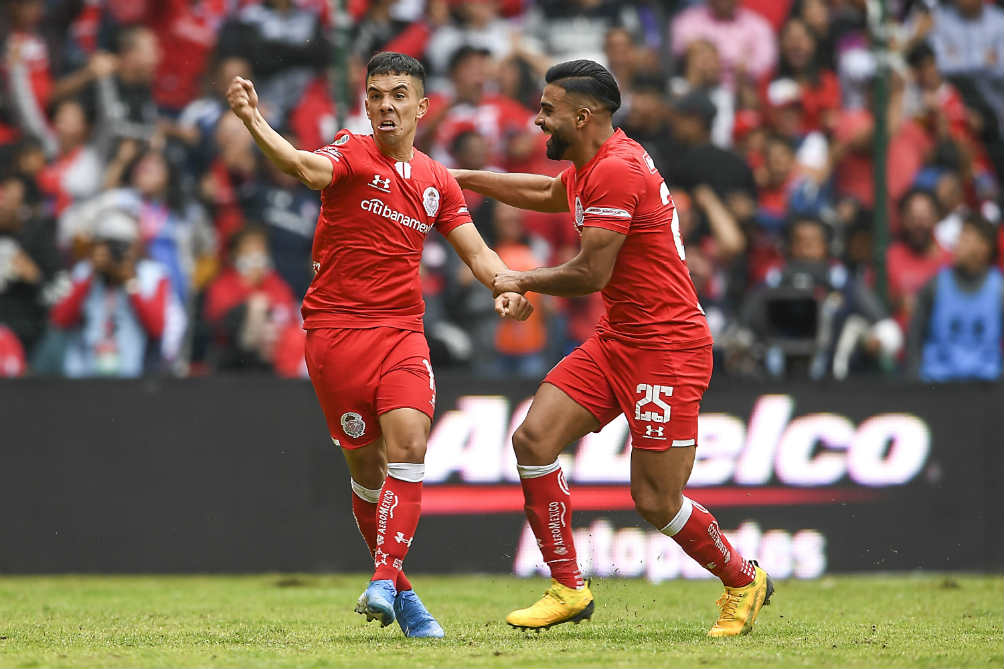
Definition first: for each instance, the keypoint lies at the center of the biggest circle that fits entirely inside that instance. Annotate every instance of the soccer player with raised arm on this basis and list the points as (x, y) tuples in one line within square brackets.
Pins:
[(649, 358), (366, 352)]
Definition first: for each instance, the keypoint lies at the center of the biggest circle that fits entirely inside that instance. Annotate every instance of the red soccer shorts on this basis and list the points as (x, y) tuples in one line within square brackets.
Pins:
[(659, 391), (361, 374)]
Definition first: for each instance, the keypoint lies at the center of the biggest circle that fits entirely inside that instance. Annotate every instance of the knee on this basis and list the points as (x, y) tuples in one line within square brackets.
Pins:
[(658, 507), (527, 442), (409, 448)]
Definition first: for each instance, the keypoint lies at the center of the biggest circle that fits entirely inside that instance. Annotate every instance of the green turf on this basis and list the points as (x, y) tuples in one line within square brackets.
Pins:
[(283, 620)]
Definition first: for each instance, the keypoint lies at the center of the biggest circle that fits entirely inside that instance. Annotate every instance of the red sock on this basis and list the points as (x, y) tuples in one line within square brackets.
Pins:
[(397, 514), (548, 507), (365, 515), (697, 532)]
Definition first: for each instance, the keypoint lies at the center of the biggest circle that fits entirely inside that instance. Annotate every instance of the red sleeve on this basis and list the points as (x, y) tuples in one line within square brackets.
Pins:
[(411, 41), (610, 195), (66, 312), (337, 152), (223, 295), (453, 209), (152, 311)]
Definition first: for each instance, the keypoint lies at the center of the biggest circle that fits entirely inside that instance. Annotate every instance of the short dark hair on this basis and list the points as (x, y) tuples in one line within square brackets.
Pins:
[(922, 192), (464, 52), (391, 62), (920, 53), (986, 230), (587, 78)]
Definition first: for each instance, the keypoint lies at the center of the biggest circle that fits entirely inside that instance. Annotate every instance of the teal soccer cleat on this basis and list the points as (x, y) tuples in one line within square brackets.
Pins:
[(415, 620), (377, 603)]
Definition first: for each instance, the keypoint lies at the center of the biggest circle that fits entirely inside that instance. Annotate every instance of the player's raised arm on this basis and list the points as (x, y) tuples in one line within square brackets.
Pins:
[(526, 191), (588, 272), (486, 264), (313, 170)]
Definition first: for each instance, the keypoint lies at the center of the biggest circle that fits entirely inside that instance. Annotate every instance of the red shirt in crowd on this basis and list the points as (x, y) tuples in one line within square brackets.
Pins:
[(230, 289), (496, 117), (909, 272)]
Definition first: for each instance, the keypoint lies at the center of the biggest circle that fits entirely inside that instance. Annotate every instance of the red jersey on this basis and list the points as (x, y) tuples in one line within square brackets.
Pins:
[(375, 215), (650, 299)]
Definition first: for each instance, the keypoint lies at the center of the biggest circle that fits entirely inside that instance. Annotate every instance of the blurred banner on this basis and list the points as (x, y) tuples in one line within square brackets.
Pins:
[(238, 474)]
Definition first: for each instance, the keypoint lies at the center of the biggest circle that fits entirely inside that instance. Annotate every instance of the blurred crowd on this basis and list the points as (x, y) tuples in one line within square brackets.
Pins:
[(141, 232)]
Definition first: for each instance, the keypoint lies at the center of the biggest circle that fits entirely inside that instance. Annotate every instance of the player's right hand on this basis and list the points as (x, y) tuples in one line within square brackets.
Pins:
[(242, 98), (513, 305)]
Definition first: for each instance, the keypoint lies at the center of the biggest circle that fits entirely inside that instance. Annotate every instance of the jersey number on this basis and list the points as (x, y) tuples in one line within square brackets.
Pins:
[(667, 199), (651, 395)]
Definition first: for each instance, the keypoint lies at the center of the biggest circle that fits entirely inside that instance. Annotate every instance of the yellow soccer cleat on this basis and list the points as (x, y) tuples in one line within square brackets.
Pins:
[(740, 606), (560, 604)]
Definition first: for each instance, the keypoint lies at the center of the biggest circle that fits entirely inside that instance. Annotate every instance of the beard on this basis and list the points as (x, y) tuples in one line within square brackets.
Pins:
[(556, 146)]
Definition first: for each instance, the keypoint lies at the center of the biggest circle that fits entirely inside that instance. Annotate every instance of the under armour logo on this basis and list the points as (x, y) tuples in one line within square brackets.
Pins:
[(380, 558), (401, 539), (380, 183), (654, 432), (398, 563)]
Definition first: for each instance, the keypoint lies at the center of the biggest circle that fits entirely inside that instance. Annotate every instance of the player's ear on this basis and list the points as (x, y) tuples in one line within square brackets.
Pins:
[(582, 116), (423, 107)]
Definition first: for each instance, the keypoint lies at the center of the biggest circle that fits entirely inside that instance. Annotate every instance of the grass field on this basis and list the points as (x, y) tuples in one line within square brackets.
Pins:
[(286, 620)]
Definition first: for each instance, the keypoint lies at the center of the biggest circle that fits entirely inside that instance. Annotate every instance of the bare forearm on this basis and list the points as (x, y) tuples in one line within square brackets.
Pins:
[(486, 265), (568, 280), (273, 145), (526, 191)]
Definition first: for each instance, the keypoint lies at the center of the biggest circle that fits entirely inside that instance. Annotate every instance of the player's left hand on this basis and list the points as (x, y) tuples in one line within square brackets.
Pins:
[(514, 306), (506, 282)]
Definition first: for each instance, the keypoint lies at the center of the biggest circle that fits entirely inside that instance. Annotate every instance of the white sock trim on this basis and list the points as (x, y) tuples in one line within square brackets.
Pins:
[(680, 519), (413, 472), (363, 493), (536, 471)]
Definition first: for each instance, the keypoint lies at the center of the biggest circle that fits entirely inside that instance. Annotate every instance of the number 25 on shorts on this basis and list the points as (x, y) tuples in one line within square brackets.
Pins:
[(652, 394)]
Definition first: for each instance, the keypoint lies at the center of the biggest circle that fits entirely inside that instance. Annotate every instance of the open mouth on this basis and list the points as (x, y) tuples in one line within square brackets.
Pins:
[(387, 125)]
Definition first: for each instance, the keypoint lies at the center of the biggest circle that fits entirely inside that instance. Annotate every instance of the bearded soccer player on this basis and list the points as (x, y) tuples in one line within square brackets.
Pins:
[(649, 358), (366, 352)]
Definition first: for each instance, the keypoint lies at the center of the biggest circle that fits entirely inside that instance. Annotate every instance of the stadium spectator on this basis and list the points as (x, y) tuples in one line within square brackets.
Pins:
[(197, 122), (571, 29), (480, 25), (699, 161), (120, 314), (502, 121), (288, 211), (124, 100), (25, 75), (227, 186), (174, 230), (186, 32), (917, 256), (75, 172), (702, 71), (968, 39), (28, 261), (956, 331), (818, 88), (813, 317), (286, 46), (248, 305), (647, 119), (851, 151), (744, 39)]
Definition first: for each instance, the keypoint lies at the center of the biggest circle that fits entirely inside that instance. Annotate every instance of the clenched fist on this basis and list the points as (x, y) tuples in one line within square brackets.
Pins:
[(514, 306), (242, 98)]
